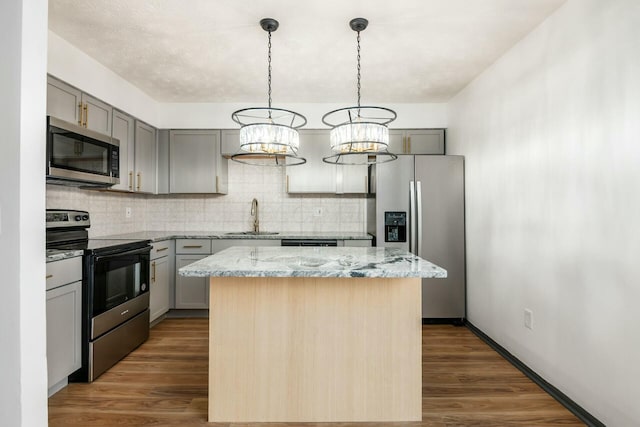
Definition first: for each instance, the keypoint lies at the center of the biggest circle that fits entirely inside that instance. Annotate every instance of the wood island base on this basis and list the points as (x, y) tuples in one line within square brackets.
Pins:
[(315, 349)]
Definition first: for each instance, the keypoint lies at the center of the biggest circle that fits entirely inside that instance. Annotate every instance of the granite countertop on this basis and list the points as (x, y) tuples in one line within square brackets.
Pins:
[(60, 254), (157, 236), (313, 262)]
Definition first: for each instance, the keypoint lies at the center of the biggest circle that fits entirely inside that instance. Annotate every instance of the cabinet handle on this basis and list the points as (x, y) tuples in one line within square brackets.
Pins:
[(79, 113), (287, 185), (366, 184), (49, 276), (217, 182), (404, 144), (130, 180), (85, 108), (409, 145), (139, 181), (153, 272), (161, 249), (192, 246)]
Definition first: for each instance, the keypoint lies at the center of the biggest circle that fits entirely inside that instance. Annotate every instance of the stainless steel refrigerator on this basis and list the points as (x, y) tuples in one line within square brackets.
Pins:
[(419, 206)]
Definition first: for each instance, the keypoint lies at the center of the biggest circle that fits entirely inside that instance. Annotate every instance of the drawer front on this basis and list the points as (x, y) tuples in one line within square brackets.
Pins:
[(193, 246), (160, 249), (64, 271)]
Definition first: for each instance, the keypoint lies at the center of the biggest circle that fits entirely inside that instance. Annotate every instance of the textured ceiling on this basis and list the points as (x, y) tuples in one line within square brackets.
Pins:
[(215, 50)]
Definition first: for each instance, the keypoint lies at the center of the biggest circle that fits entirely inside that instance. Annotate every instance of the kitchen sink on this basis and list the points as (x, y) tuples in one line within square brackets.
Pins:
[(252, 233)]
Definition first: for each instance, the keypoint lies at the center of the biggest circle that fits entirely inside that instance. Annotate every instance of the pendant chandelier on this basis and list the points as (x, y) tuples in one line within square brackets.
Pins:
[(269, 136), (359, 135)]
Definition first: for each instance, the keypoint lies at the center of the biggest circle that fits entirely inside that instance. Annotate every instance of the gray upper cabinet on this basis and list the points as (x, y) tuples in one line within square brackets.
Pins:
[(145, 158), (72, 105), (97, 115), (416, 141), (316, 176), (163, 161), (195, 162), (229, 142), (353, 178), (124, 131), (63, 101)]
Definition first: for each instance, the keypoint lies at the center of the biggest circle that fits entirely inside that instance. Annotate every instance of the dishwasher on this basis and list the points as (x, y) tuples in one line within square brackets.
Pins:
[(309, 242)]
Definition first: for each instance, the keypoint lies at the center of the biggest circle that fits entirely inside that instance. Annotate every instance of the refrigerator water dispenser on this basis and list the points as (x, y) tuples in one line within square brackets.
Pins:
[(395, 226)]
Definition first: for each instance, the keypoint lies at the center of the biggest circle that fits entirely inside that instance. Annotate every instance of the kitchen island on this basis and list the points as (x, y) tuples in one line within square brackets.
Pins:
[(314, 334)]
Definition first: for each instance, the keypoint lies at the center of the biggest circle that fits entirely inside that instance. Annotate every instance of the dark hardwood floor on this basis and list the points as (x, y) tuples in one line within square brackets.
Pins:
[(164, 383)]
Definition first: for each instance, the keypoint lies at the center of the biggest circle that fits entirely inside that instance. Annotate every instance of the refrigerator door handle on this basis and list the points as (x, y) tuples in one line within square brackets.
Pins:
[(412, 218), (419, 230)]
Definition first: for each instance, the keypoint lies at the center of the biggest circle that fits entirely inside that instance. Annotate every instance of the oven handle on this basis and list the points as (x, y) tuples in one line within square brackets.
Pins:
[(146, 249)]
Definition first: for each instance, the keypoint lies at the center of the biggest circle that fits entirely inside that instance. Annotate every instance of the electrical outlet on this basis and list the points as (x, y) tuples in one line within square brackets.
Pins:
[(528, 318), (317, 212), (127, 212)]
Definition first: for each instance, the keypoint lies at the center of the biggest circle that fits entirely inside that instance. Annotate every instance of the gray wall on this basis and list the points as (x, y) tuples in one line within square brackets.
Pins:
[(23, 388), (550, 134)]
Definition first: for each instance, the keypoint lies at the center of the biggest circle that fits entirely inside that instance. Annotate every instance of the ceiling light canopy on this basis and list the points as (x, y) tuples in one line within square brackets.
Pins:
[(359, 135), (269, 136)]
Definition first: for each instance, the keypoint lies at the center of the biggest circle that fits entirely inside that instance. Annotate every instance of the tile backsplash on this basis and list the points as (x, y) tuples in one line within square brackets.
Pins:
[(279, 211)]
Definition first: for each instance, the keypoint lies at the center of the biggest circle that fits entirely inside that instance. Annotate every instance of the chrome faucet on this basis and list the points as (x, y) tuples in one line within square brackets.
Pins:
[(254, 214)]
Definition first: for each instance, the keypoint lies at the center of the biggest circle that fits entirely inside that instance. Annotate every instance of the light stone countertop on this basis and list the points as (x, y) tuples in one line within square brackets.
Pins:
[(313, 262), (157, 236)]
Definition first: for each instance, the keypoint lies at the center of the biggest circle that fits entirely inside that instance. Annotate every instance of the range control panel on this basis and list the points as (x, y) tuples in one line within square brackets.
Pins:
[(57, 218), (395, 226)]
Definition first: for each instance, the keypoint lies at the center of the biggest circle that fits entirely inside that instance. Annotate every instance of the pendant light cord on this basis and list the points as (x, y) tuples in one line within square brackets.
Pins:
[(358, 39), (269, 80)]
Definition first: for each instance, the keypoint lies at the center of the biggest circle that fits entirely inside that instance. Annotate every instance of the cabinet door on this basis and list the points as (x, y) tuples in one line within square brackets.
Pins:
[(425, 141), (63, 101), (97, 114), (315, 176), (145, 158), (397, 142), (191, 292), (194, 160), (353, 178), (229, 142), (124, 131), (163, 161), (64, 314), (159, 298)]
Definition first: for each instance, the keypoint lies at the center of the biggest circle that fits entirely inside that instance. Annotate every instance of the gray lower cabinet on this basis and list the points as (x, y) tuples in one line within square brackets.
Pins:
[(356, 243), (145, 158), (195, 162), (72, 105), (416, 141), (191, 292), (64, 321), (159, 276)]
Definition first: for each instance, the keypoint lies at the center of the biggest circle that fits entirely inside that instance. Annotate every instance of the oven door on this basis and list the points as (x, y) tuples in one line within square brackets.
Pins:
[(118, 278)]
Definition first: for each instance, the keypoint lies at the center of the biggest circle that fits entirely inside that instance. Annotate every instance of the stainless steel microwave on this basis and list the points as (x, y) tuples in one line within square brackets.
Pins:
[(79, 156)]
